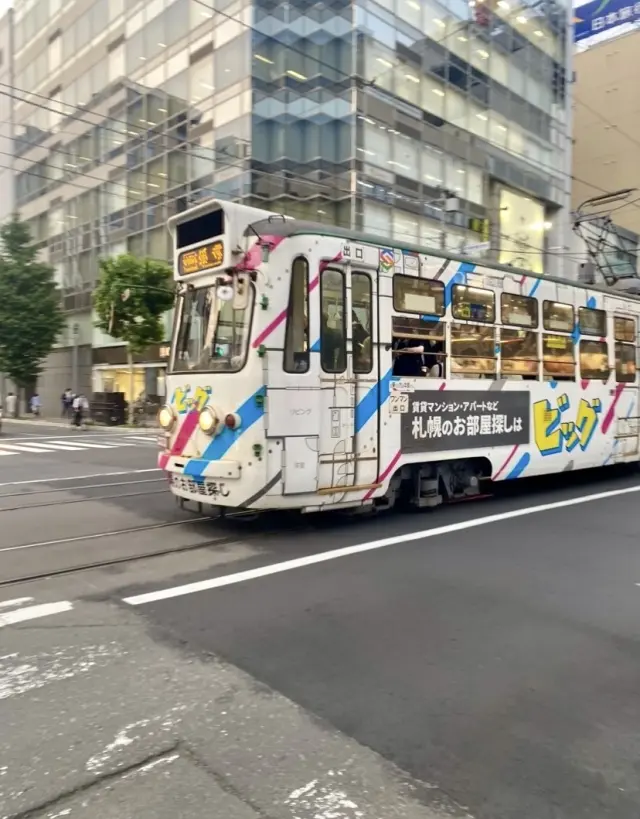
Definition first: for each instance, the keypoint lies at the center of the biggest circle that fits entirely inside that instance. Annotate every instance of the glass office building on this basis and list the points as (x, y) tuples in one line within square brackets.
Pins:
[(445, 124)]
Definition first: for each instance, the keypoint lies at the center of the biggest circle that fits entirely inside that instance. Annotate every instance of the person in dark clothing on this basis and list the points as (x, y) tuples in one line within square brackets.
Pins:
[(433, 358), (361, 346), (408, 357)]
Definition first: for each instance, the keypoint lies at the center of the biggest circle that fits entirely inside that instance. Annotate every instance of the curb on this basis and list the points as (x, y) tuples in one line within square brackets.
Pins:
[(43, 422)]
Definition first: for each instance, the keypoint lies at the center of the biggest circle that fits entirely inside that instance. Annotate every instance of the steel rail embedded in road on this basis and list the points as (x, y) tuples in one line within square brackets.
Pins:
[(101, 564), (72, 488), (97, 498)]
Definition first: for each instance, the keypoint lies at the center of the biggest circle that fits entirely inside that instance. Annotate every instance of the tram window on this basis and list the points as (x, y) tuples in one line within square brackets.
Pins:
[(361, 324), (413, 295), (296, 344), (521, 311), (333, 325), (558, 359), (473, 351), (592, 322), (625, 363), (558, 317), (518, 353), (624, 329), (594, 360), (473, 304)]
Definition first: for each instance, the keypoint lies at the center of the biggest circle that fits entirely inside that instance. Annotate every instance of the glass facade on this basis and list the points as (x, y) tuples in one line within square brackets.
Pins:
[(398, 116)]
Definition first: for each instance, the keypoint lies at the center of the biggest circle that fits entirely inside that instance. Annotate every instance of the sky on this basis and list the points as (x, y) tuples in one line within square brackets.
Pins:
[(4, 5)]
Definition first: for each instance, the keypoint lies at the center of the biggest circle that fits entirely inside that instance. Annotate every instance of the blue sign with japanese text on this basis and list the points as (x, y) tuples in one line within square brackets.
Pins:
[(603, 15)]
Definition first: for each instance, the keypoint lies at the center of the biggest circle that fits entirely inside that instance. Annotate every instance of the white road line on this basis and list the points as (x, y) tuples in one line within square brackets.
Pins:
[(98, 535), (33, 612), (79, 477), (82, 445), (56, 447), (347, 551), (18, 601), (24, 448)]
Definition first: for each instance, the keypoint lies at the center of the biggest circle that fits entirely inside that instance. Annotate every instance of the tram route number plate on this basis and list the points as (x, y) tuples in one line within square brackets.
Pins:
[(399, 403)]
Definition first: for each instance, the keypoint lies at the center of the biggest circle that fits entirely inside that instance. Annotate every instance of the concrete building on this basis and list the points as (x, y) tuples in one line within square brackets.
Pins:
[(444, 123), (607, 148), (7, 197)]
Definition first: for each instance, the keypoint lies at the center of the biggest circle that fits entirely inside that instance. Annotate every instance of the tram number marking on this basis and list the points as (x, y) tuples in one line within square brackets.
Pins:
[(399, 403)]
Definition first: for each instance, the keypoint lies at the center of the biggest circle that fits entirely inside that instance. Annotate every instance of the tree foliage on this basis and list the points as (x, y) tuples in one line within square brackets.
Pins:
[(31, 317), (130, 299)]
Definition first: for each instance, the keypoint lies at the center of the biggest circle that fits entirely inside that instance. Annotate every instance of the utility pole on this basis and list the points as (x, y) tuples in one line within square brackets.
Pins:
[(74, 359), (593, 224)]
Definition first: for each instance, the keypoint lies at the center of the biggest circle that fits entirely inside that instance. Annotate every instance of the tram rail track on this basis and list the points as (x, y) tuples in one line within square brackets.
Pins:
[(96, 499), (125, 559), (83, 487)]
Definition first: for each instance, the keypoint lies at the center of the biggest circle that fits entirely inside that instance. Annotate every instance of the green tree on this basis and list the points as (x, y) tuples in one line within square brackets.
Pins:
[(130, 299), (31, 317)]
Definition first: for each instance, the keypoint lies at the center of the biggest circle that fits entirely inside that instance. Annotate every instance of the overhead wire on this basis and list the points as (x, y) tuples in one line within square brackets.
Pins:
[(287, 47), (141, 132)]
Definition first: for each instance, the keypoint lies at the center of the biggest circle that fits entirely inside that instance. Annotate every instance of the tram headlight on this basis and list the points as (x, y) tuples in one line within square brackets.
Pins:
[(166, 418), (208, 421)]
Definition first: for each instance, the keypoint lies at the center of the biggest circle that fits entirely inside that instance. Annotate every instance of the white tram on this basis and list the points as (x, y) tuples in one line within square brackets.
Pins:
[(314, 368)]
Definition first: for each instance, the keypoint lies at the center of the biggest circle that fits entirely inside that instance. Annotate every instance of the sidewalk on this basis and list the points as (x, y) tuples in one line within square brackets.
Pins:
[(58, 422)]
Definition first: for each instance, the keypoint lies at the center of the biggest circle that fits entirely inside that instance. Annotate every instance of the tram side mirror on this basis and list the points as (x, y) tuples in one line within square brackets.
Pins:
[(241, 285)]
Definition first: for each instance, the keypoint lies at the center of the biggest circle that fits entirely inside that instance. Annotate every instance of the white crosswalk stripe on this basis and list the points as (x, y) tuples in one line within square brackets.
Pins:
[(43, 446)]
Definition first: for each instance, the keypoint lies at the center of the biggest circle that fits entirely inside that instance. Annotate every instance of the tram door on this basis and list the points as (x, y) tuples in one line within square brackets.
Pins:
[(348, 378), (624, 325)]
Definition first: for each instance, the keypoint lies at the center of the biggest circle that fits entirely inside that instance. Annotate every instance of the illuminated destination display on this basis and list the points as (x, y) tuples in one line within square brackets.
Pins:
[(204, 258)]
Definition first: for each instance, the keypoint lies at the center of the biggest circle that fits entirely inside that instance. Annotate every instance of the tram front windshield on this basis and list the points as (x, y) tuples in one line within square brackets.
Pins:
[(210, 335)]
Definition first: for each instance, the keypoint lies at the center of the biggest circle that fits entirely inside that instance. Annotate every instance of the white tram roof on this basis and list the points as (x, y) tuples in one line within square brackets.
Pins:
[(280, 225)]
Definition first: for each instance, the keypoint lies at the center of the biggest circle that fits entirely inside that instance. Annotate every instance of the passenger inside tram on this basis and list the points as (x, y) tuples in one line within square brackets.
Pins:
[(408, 357), (418, 348)]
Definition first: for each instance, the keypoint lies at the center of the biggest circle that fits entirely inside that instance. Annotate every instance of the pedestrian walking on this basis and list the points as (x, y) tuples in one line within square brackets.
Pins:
[(12, 405), (35, 404), (80, 410), (66, 400)]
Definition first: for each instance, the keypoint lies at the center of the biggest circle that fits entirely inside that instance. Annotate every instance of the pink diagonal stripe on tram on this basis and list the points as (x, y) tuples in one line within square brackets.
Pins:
[(384, 474), (608, 418), (506, 463), (282, 316), (182, 438)]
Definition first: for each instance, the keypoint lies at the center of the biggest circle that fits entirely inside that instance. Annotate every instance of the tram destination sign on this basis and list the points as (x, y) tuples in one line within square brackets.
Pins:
[(455, 419), (203, 258)]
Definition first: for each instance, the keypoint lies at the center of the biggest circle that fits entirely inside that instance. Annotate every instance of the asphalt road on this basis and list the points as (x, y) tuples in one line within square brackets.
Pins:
[(480, 660)]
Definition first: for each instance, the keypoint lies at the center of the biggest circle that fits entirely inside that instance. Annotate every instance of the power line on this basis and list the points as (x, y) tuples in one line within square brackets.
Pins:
[(534, 251), (319, 62), (227, 164), (242, 167)]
